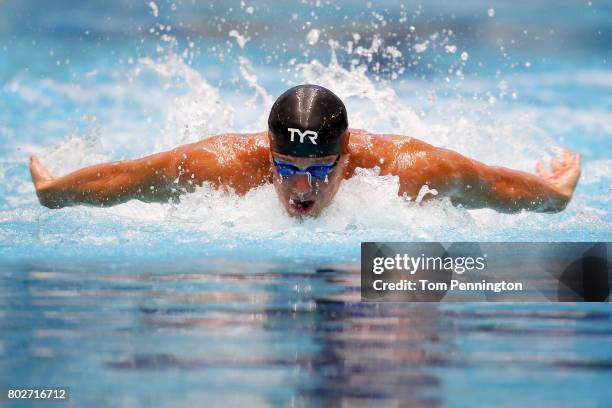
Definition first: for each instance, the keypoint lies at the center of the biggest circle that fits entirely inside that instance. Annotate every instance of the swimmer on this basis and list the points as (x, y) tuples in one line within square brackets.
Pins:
[(306, 153)]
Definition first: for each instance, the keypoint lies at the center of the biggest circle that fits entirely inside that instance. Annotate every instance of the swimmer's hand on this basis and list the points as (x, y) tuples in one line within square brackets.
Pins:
[(43, 181), (565, 172)]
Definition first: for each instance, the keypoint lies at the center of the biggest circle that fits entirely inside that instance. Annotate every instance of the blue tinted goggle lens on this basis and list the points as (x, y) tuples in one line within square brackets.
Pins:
[(319, 171)]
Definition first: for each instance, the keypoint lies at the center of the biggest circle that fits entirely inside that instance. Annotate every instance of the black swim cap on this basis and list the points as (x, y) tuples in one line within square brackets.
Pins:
[(307, 121)]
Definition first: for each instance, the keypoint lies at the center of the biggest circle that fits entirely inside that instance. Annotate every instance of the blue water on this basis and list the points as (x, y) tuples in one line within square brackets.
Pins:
[(225, 300)]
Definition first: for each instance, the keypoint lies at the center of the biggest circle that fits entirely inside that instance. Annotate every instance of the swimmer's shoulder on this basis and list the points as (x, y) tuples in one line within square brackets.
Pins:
[(239, 145), (229, 150), (237, 160), (253, 148), (367, 148)]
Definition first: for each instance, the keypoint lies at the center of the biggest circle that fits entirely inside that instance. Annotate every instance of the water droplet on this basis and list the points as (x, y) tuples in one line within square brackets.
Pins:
[(313, 36), (421, 47), (154, 9)]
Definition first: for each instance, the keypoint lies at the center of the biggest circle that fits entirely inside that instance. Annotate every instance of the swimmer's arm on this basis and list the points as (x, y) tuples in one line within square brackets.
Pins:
[(476, 185), (221, 160), (147, 179)]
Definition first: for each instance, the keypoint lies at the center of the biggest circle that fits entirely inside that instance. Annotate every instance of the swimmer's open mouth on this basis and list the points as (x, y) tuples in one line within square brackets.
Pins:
[(301, 206)]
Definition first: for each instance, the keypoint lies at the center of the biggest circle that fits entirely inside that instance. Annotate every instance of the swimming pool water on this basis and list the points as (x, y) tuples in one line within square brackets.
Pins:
[(262, 334)]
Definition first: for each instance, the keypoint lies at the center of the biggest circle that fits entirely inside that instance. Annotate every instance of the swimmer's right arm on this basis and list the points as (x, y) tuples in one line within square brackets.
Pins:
[(221, 160), (107, 184)]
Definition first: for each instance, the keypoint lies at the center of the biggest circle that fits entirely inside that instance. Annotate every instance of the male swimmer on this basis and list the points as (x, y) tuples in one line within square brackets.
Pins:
[(306, 153)]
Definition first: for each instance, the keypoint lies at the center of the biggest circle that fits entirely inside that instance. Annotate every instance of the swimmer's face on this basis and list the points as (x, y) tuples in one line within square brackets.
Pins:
[(303, 195)]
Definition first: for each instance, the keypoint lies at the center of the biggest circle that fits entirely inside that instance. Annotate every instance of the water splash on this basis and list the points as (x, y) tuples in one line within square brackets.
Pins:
[(248, 74), (189, 108), (195, 109), (353, 85), (241, 40)]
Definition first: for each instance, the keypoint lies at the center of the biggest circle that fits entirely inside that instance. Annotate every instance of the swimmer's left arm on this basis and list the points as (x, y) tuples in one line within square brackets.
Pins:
[(476, 185)]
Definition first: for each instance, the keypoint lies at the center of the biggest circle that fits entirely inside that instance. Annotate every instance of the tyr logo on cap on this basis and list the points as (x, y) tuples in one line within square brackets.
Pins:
[(312, 135)]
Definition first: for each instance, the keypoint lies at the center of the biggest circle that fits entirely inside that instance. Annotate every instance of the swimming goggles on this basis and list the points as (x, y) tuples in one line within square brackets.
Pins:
[(318, 171)]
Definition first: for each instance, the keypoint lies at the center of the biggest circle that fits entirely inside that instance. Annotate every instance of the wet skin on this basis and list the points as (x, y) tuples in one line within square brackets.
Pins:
[(241, 162), (302, 195)]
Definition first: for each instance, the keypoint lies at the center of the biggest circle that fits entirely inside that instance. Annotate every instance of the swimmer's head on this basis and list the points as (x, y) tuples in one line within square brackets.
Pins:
[(308, 132), (307, 121)]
